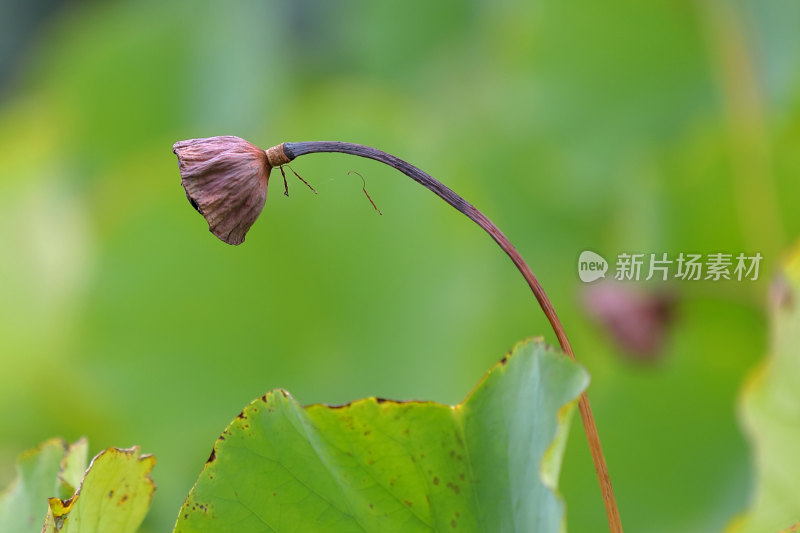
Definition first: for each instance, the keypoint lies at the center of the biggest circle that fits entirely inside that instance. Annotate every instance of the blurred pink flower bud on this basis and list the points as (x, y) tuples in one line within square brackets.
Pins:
[(637, 319), (225, 179)]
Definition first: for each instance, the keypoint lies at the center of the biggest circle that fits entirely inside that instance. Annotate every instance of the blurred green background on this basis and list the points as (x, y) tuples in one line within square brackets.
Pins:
[(613, 125)]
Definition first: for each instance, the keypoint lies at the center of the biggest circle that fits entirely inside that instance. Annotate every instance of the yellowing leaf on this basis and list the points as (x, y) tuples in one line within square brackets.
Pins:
[(113, 497), (770, 411)]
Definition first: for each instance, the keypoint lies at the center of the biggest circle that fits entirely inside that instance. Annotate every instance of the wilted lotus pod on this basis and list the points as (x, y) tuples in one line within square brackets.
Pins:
[(225, 179)]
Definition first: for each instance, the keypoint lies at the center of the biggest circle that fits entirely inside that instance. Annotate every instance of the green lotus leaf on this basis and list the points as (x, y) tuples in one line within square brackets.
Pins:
[(490, 463), (73, 467), (770, 413), (113, 497), (24, 504)]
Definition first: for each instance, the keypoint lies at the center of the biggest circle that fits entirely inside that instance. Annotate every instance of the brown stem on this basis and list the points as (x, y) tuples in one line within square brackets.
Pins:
[(293, 150)]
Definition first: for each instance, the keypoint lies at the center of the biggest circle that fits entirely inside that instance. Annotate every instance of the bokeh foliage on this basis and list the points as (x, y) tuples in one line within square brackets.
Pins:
[(614, 125)]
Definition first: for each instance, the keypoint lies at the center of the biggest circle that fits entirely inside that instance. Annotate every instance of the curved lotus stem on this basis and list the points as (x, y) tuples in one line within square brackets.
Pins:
[(219, 169)]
